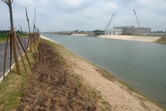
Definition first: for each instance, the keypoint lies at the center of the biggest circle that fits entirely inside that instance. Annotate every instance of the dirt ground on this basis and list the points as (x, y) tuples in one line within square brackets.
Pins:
[(51, 87)]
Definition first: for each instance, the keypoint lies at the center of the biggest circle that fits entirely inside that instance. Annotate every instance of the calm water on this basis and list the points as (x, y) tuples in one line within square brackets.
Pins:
[(141, 65)]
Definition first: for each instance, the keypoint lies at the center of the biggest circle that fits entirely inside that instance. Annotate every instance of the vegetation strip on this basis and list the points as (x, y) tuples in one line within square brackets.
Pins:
[(162, 40), (11, 87)]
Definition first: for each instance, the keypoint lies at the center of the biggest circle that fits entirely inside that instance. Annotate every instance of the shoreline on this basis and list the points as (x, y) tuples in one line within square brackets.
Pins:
[(120, 97), (126, 37), (131, 38), (79, 35)]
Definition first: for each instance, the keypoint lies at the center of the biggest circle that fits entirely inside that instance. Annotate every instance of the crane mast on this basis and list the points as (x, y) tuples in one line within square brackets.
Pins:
[(136, 18), (109, 23)]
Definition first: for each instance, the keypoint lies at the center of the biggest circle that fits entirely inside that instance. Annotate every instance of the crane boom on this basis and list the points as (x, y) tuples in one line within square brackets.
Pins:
[(136, 18), (109, 23)]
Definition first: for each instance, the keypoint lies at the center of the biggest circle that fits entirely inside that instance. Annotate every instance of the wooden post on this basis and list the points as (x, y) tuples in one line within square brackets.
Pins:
[(10, 52), (29, 35), (4, 67), (15, 51), (24, 52), (23, 62), (9, 3)]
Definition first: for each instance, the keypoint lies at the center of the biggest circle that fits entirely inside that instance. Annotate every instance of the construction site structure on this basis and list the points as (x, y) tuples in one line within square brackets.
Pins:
[(137, 18), (129, 30), (108, 24)]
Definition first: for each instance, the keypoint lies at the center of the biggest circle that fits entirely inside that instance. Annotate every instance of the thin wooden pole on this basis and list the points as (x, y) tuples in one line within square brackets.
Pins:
[(24, 51), (10, 52), (22, 39), (15, 51), (4, 67), (18, 47), (29, 35)]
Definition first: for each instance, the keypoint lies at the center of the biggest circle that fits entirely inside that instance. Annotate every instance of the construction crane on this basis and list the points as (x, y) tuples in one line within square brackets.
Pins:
[(109, 23), (136, 18)]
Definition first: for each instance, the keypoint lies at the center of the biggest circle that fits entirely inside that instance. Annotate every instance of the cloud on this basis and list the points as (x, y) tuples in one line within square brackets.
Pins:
[(56, 15), (73, 3), (44, 1), (25, 2), (100, 9), (68, 5)]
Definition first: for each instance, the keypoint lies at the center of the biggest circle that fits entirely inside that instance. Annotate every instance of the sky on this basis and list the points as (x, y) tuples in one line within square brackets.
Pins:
[(67, 15)]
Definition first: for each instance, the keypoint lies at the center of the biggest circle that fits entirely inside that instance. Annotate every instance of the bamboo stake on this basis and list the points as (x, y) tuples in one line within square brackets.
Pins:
[(4, 67), (22, 39), (18, 47), (10, 52), (33, 36), (15, 52), (29, 35), (24, 51)]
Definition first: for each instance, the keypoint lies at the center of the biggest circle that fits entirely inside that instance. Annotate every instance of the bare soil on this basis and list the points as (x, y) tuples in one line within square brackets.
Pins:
[(51, 86)]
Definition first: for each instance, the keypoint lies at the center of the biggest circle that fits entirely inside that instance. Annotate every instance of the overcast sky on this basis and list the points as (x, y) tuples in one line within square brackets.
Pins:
[(62, 15)]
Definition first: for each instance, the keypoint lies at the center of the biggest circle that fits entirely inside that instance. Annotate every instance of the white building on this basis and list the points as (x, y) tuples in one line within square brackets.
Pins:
[(128, 30)]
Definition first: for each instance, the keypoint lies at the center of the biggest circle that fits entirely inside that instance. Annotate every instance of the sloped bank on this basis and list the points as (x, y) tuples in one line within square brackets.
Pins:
[(120, 97), (53, 86)]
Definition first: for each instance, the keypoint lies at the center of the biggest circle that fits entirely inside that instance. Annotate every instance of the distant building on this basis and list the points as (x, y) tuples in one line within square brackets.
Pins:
[(128, 30)]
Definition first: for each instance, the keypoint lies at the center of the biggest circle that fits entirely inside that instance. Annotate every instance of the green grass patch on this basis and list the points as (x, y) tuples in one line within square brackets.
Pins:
[(3, 36), (11, 87), (78, 81), (162, 40)]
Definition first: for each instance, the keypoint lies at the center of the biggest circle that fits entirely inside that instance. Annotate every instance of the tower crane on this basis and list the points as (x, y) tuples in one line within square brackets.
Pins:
[(136, 18), (109, 23)]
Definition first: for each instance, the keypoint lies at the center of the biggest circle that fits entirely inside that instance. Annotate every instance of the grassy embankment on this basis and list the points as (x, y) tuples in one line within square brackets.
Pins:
[(162, 40), (12, 87)]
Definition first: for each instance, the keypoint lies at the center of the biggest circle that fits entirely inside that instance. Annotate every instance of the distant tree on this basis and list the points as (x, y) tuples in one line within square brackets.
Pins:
[(18, 31)]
